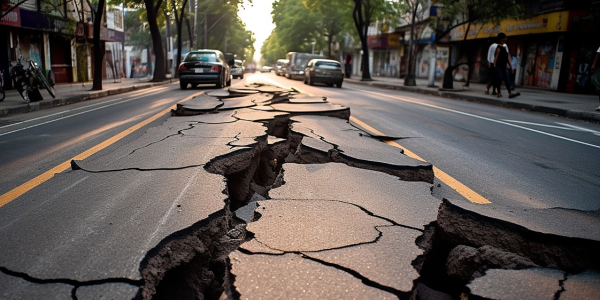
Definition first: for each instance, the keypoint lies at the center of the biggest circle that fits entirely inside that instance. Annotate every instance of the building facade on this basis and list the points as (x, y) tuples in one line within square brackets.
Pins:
[(553, 49), (57, 35)]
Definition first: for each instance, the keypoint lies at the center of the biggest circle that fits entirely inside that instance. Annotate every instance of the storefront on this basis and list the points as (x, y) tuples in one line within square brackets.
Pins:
[(386, 52), (536, 46)]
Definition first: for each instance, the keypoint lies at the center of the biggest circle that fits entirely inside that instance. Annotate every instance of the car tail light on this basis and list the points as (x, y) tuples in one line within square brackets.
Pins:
[(216, 68), (182, 67)]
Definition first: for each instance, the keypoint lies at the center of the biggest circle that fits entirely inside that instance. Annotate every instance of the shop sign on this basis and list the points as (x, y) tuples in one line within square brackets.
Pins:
[(33, 19), (383, 41), (552, 22), (13, 18)]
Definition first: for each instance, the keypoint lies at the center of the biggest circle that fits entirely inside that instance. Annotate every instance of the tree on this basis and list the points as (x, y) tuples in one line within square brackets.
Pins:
[(224, 30), (332, 18), (415, 8), (160, 61), (99, 50), (363, 15), (179, 16)]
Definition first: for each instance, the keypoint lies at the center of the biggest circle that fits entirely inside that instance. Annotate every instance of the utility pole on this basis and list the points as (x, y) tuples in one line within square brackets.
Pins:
[(205, 31)]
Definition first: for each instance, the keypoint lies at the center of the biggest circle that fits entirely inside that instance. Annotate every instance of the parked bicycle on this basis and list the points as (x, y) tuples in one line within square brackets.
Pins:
[(28, 79), (2, 94)]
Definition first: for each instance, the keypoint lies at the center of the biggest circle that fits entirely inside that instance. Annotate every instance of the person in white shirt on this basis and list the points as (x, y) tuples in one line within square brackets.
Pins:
[(593, 73), (491, 69)]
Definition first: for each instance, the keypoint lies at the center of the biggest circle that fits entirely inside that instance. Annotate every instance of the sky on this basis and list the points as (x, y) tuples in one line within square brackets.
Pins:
[(258, 19)]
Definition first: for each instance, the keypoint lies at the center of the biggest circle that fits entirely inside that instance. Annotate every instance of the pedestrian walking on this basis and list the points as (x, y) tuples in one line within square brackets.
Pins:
[(501, 61), (491, 70), (348, 65), (595, 75)]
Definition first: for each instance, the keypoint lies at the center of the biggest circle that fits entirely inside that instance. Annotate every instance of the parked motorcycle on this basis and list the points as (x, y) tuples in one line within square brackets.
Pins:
[(28, 79)]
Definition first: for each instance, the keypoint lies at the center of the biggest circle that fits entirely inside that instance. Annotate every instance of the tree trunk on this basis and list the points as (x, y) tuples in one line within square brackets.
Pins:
[(179, 23), (410, 79), (98, 47), (362, 26), (159, 52)]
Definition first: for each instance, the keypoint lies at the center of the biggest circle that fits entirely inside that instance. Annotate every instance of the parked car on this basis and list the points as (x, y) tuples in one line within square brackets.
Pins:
[(205, 66), (237, 70), (281, 66), (324, 71), (265, 69)]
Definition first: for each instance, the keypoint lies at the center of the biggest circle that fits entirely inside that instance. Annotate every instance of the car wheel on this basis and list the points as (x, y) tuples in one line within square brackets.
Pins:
[(339, 85), (329, 84), (183, 85), (219, 84), (228, 83), (241, 76), (305, 80)]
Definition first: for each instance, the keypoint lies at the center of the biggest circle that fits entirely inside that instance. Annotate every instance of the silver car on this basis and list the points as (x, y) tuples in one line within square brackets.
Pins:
[(237, 70), (324, 71)]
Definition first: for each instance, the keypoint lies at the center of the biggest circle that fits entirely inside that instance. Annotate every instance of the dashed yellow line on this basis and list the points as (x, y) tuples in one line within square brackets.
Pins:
[(460, 188), (27, 186)]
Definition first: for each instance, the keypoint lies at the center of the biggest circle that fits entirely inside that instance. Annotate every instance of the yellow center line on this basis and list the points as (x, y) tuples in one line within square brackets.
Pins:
[(27, 186), (462, 189)]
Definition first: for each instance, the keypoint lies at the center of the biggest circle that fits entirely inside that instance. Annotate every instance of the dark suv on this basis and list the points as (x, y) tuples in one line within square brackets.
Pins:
[(204, 66)]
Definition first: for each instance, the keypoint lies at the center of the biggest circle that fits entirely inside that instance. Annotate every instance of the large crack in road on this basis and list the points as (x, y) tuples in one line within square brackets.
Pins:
[(314, 207)]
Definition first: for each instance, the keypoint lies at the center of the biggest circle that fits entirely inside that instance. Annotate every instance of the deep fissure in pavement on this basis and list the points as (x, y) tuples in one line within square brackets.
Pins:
[(458, 247)]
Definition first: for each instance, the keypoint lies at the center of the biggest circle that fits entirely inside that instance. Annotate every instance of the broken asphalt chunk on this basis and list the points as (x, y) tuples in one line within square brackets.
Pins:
[(408, 204), (356, 148), (387, 262), (313, 225), (538, 234), (528, 284), (13, 288), (291, 276)]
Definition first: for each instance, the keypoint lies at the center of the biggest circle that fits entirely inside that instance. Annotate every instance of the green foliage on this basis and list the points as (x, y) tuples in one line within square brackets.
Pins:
[(459, 12), (299, 23), (223, 22), (239, 40), (136, 32)]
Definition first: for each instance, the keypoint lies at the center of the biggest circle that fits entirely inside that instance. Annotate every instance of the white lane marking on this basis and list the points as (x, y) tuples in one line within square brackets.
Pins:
[(112, 102), (580, 128), (478, 117), (562, 126)]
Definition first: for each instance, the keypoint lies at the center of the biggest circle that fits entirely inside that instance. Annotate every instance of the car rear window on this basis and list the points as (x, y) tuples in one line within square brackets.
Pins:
[(328, 64), (201, 56)]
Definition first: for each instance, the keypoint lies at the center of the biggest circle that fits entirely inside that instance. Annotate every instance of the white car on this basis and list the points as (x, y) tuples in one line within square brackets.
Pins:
[(237, 70)]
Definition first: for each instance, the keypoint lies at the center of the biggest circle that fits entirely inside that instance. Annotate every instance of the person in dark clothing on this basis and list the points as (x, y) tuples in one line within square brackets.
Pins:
[(348, 65), (501, 60)]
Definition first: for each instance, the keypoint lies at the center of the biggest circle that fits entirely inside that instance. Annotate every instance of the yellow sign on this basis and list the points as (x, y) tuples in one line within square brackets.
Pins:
[(552, 22)]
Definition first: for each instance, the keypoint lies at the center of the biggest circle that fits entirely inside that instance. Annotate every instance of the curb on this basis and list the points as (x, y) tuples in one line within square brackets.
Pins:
[(572, 114), (88, 95)]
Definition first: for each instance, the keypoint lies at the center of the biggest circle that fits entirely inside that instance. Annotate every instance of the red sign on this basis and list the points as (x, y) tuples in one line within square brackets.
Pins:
[(13, 18)]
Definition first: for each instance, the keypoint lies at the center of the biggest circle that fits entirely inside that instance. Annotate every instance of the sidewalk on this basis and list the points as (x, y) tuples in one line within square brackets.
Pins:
[(574, 106), (73, 92)]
